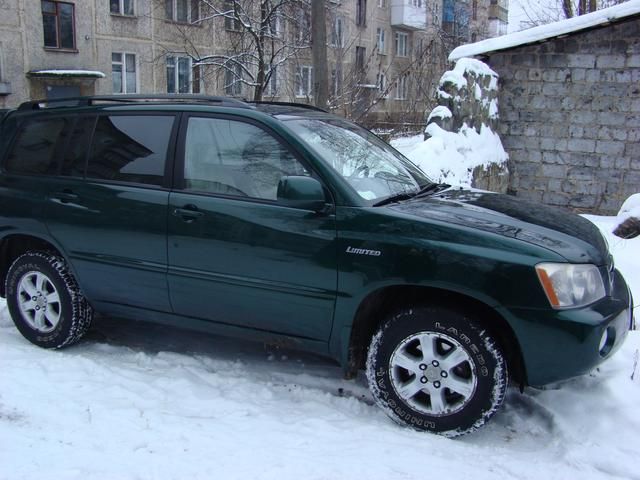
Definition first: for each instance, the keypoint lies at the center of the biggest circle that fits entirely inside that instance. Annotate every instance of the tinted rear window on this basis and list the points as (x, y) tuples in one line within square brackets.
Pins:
[(130, 148), (37, 147)]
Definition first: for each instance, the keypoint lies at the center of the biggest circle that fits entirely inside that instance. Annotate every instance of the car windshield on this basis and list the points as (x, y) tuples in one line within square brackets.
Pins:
[(374, 169)]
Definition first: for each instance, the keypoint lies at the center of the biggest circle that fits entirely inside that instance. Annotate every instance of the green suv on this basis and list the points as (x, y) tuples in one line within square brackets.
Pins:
[(288, 225)]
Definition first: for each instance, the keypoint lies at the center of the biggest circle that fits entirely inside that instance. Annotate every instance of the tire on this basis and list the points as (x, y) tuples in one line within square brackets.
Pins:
[(45, 302), (452, 389)]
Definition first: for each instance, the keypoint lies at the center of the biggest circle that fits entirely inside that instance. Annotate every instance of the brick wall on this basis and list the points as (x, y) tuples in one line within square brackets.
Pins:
[(570, 117)]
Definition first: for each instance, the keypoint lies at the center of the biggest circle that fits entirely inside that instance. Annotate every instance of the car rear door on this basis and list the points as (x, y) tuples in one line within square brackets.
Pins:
[(236, 256), (108, 207)]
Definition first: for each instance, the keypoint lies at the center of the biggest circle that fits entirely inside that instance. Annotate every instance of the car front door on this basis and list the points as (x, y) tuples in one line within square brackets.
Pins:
[(237, 256)]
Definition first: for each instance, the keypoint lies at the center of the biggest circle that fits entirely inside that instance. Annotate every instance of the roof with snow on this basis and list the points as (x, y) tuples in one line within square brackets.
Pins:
[(67, 73), (543, 32)]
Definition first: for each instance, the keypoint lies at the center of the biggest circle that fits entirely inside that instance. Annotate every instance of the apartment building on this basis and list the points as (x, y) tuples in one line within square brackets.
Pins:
[(385, 56)]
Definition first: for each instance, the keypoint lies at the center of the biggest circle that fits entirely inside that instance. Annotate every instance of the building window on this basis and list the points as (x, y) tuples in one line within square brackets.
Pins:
[(121, 7), (276, 27), (304, 81), (401, 88), (58, 22), (381, 82), (233, 80), (474, 10), (336, 81), (361, 13), (272, 84), (380, 40), (183, 11), (303, 26), (360, 56), (436, 15), (337, 37), (416, 3), (230, 21), (123, 72), (402, 41), (382, 3), (179, 75)]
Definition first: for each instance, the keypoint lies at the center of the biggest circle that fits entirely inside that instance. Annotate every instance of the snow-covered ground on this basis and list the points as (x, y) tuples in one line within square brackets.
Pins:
[(138, 401)]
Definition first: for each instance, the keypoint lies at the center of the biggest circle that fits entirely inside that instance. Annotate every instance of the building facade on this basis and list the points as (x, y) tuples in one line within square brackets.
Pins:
[(385, 56)]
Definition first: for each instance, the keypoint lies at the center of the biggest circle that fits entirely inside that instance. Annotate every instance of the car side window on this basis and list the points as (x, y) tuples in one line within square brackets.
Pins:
[(37, 147), (231, 157), (130, 148)]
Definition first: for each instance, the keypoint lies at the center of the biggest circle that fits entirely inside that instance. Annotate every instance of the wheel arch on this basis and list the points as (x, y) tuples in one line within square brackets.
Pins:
[(375, 307), (16, 244)]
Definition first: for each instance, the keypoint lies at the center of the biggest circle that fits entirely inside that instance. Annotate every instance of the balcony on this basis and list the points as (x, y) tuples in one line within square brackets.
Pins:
[(498, 12), (406, 14)]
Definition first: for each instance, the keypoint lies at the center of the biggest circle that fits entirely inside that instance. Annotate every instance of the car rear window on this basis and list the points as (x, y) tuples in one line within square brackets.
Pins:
[(37, 147)]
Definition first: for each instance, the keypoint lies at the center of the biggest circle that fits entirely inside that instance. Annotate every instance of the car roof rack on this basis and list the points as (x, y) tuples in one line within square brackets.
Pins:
[(290, 104), (131, 98)]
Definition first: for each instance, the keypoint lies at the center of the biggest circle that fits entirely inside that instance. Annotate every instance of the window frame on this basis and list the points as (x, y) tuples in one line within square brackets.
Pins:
[(121, 11), (337, 32), (123, 73), (402, 52), (174, 12), (361, 13), (57, 20), (176, 73), (401, 88), (299, 74), (381, 40), (178, 181)]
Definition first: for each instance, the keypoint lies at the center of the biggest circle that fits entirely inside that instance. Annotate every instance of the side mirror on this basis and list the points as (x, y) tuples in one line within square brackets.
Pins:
[(301, 192)]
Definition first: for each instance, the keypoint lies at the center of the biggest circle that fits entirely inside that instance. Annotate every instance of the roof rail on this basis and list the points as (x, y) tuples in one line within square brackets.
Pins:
[(289, 104), (131, 98)]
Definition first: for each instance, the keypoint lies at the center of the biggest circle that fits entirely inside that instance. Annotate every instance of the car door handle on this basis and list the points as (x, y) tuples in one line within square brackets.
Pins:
[(65, 196), (188, 213)]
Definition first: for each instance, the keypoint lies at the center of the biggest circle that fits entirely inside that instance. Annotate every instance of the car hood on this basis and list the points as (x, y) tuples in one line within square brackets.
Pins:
[(571, 236)]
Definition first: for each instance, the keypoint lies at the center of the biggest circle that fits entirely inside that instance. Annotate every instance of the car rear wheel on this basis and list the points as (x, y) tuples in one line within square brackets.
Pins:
[(45, 302), (436, 369)]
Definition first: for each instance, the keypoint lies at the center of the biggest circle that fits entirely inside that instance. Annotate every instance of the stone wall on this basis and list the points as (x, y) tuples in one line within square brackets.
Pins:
[(570, 117)]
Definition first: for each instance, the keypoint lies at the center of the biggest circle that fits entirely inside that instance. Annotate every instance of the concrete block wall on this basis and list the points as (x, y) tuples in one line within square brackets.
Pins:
[(570, 117)]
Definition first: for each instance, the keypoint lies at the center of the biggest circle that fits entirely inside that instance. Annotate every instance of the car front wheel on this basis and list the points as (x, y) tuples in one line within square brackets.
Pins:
[(436, 369)]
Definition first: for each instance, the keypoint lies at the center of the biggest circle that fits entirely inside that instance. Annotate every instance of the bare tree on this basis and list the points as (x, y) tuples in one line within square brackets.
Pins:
[(262, 37)]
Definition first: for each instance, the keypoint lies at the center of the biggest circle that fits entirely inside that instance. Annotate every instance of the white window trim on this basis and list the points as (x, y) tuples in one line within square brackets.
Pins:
[(401, 88), (381, 41), (402, 52), (339, 33), (124, 72), (177, 74), (174, 13), (299, 71), (121, 9)]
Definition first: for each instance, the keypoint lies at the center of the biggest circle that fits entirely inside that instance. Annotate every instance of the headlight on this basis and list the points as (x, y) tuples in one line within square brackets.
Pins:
[(570, 285)]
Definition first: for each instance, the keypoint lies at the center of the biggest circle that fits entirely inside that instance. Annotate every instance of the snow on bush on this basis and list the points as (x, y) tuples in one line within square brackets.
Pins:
[(468, 108), (449, 157)]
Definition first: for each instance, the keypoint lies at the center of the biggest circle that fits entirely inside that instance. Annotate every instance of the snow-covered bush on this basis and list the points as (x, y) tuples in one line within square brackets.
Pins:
[(461, 146)]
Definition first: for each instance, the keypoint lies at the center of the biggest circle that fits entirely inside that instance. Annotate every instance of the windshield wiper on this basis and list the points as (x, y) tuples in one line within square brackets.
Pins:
[(398, 197), (432, 188)]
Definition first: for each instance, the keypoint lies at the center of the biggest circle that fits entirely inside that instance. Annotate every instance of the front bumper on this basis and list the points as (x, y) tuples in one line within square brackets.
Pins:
[(560, 344)]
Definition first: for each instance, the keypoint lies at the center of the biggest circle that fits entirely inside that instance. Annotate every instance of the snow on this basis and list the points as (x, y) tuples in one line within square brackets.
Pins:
[(138, 401), (631, 207), (449, 157), (440, 112), (68, 73), (456, 76), (543, 32)]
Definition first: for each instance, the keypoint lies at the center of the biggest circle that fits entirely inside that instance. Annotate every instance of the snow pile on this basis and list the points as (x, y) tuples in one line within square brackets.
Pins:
[(448, 157), (543, 32), (67, 73), (630, 207)]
